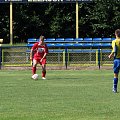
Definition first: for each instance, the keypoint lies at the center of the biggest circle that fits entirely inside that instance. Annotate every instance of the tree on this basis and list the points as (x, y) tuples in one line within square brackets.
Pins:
[(4, 22), (104, 18), (99, 18)]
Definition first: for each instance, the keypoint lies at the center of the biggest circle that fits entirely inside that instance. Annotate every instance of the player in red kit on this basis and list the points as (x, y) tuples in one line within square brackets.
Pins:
[(38, 55)]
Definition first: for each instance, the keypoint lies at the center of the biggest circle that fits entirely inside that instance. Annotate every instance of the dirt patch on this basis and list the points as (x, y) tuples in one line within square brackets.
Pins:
[(61, 68)]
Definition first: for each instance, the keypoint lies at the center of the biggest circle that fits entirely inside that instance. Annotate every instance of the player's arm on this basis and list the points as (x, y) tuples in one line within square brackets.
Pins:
[(32, 51), (44, 55), (111, 55), (113, 50), (46, 52), (31, 54)]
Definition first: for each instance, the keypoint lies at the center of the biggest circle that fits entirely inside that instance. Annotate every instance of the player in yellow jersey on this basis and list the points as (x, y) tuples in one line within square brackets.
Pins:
[(116, 54)]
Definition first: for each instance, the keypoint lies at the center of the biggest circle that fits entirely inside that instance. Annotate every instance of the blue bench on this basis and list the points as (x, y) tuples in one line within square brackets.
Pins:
[(50, 51), (77, 45), (74, 42)]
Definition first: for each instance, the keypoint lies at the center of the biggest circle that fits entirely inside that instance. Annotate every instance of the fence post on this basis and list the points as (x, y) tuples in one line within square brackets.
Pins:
[(0, 56), (98, 57), (1, 41), (66, 57)]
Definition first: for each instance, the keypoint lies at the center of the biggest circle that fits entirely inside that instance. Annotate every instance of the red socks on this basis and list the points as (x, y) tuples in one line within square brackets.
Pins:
[(43, 73), (33, 70)]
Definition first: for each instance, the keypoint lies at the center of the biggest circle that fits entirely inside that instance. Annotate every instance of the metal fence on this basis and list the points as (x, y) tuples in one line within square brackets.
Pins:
[(19, 56)]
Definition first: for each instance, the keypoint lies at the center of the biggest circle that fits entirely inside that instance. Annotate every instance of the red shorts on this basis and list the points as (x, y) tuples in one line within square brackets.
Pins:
[(41, 63)]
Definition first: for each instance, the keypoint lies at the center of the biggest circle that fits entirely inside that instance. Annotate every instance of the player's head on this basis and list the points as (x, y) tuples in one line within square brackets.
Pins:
[(117, 33), (42, 38)]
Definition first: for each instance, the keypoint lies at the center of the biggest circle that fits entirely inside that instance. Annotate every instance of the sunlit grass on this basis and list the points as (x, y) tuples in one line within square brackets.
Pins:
[(65, 95)]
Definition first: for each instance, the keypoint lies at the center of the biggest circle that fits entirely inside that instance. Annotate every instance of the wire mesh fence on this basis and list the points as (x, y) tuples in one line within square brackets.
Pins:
[(19, 56)]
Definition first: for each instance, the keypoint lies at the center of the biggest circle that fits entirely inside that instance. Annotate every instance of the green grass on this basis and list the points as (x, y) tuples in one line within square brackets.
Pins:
[(65, 95)]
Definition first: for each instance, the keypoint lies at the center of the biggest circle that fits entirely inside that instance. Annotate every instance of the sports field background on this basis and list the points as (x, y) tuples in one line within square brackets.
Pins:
[(64, 95)]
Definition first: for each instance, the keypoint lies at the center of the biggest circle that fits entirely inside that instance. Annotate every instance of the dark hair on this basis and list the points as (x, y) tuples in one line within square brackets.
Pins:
[(117, 33)]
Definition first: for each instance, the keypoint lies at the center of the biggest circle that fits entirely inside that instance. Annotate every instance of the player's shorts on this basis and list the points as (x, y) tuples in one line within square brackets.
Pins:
[(41, 63), (116, 66)]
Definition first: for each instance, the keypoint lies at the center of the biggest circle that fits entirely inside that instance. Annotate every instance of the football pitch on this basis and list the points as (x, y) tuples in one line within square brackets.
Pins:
[(64, 95)]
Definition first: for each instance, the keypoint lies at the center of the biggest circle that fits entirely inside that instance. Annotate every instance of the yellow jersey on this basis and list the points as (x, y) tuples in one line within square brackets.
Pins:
[(116, 48)]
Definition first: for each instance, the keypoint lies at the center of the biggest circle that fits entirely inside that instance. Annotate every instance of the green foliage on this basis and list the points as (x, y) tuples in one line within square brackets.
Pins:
[(62, 20), (99, 18), (4, 21), (102, 18)]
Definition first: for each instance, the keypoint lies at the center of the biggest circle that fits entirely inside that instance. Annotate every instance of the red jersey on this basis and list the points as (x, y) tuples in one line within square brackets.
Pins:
[(39, 50)]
